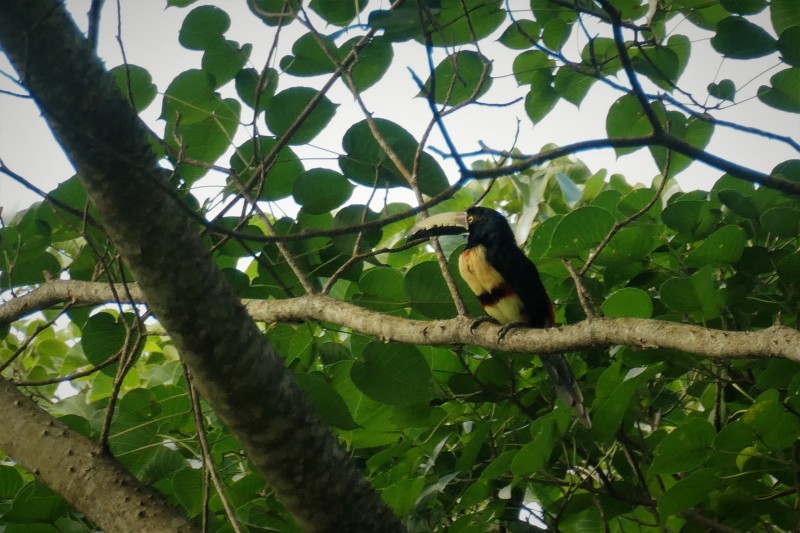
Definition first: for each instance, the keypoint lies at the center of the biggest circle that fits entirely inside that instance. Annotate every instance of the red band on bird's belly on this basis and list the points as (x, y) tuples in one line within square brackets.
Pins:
[(488, 299)]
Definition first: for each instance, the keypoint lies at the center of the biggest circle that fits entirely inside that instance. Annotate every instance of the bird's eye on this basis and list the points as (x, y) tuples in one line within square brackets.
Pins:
[(470, 219)]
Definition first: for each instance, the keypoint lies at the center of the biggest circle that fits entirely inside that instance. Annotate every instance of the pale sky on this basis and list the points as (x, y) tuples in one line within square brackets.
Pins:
[(150, 35)]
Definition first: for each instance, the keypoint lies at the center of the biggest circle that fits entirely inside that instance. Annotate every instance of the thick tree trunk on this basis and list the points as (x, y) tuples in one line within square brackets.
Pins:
[(75, 467), (232, 363)]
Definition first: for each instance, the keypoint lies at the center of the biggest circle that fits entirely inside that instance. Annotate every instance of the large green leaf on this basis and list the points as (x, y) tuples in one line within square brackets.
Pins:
[(285, 107), (628, 302), (103, 336), (396, 374), (320, 190), (204, 27), (580, 230), (328, 403), (688, 492), (460, 22), (686, 447), (784, 14), (190, 97), (739, 38), (427, 291), (460, 77), (224, 59), (279, 177), (206, 140), (136, 84), (783, 92), (338, 13), (366, 162), (311, 56), (699, 293), (723, 247)]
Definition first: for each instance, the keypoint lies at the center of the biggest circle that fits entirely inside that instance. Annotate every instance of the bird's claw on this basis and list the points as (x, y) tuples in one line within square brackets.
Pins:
[(478, 321), (508, 327)]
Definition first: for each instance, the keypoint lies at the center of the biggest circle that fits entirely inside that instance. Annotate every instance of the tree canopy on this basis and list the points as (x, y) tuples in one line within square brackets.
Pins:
[(218, 323)]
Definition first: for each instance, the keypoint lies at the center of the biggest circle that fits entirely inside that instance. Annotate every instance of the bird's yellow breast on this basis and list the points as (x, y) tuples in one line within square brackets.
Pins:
[(495, 294)]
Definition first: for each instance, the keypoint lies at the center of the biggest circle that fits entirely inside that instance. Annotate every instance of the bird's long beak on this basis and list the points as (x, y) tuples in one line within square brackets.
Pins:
[(442, 224)]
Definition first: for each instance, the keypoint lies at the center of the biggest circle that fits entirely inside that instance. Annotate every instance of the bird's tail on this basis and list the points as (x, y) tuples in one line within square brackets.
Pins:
[(567, 388)]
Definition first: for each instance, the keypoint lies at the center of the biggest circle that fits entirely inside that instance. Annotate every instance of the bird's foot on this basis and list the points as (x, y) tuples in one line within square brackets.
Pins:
[(480, 320), (508, 327)]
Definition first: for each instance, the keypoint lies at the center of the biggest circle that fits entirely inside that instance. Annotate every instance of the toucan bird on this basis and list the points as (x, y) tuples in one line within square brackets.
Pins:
[(506, 283)]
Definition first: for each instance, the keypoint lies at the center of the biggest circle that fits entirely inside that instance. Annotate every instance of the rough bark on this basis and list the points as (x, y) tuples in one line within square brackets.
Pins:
[(234, 366), (776, 341), (74, 466)]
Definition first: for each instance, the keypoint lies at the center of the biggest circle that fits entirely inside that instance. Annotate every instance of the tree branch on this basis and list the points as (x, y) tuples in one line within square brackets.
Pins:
[(74, 466), (776, 341)]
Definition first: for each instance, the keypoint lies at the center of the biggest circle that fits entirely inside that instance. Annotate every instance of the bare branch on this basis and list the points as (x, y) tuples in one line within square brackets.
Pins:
[(776, 341)]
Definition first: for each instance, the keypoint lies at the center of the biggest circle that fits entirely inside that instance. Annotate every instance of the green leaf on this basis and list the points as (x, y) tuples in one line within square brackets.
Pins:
[(136, 84), (187, 485), (687, 446), (35, 502), (320, 190), (328, 403), (771, 422), (374, 60), (427, 291), (338, 13), (693, 131), (789, 45), (723, 247), (395, 374), (280, 176), (191, 97), (615, 392), (203, 27), (629, 244), (247, 85), (626, 118), (402, 495), (206, 140), (783, 92), (353, 215), (542, 97), (784, 14), (461, 22), (275, 12), (460, 77), (528, 65), (555, 33), (782, 221), (580, 230), (535, 455), (10, 482), (744, 7), (696, 218), (224, 59), (285, 107), (366, 163), (688, 492), (309, 57), (698, 293), (739, 38), (659, 63), (103, 336), (628, 302), (382, 290), (724, 90), (572, 85), (521, 34)]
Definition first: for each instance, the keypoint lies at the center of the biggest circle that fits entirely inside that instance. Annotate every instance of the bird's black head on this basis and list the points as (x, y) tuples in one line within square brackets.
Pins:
[(488, 227)]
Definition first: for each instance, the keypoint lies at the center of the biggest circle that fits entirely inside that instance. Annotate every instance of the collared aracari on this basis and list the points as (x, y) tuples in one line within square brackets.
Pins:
[(506, 283)]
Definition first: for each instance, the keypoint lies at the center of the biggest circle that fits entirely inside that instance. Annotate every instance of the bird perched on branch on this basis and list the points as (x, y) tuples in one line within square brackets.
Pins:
[(506, 283)]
